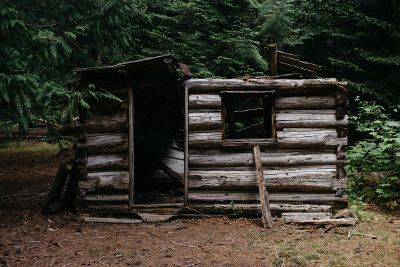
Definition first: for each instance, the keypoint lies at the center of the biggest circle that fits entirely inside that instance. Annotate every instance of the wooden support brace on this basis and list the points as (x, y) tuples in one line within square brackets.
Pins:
[(266, 217)]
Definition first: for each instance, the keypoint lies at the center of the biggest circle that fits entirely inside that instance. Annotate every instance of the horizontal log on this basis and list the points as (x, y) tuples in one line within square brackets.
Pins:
[(253, 209), (221, 158), (248, 143), (280, 86), (205, 120), (204, 101), (105, 181), (108, 124), (298, 63), (105, 143), (308, 119), (309, 137), (321, 179), (305, 102), (317, 219), (107, 198), (111, 220), (107, 162), (243, 197), (205, 139)]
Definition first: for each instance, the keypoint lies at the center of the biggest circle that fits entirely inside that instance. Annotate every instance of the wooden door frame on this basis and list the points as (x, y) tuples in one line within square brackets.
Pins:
[(131, 146)]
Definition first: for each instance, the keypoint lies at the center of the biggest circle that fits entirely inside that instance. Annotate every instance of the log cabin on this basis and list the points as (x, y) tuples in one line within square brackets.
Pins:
[(179, 145)]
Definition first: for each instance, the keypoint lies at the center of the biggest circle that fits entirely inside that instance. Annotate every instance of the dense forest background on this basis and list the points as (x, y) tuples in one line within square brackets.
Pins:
[(43, 41)]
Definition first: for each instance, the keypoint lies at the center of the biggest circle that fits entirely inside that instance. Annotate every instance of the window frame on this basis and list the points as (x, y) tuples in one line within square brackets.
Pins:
[(248, 141)]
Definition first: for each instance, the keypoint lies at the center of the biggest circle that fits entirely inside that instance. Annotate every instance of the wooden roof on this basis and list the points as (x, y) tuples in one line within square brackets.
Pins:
[(160, 68)]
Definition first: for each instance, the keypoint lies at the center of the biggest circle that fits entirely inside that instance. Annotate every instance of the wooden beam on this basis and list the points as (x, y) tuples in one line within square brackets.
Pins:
[(266, 217), (273, 59), (131, 151), (186, 147)]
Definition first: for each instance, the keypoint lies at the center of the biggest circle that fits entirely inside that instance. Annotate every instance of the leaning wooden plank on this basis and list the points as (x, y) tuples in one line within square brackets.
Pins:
[(289, 68), (205, 139), (107, 162), (299, 216), (205, 120), (286, 179), (308, 118), (105, 143), (111, 220), (222, 158), (280, 53), (281, 85), (305, 102), (266, 217), (309, 137), (115, 123), (298, 63), (243, 197), (197, 101), (105, 181)]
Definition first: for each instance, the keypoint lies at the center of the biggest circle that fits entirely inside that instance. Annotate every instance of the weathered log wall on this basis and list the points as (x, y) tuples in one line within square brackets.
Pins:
[(104, 147), (300, 164)]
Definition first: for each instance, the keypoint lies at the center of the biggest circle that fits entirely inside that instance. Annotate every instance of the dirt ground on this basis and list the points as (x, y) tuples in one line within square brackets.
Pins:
[(28, 238)]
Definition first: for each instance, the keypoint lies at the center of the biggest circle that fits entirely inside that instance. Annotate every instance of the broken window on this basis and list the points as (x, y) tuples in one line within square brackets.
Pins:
[(248, 114)]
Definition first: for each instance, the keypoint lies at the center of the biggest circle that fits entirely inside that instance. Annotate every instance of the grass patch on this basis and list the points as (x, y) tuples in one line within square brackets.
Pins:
[(27, 146)]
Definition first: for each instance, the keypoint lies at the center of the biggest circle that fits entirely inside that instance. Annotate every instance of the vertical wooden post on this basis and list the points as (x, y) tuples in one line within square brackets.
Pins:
[(266, 217), (273, 59), (186, 147), (131, 152)]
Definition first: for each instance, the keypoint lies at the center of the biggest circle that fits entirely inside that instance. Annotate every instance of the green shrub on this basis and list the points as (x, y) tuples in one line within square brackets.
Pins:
[(374, 163)]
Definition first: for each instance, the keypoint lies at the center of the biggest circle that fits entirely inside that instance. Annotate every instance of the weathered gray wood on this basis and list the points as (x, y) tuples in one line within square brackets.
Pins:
[(205, 120), (107, 162), (297, 137), (299, 216), (298, 63), (280, 53), (186, 147), (111, 220), (317, 219), (204, 101), (105, 181), (305, 102), (243, 197), (221, 158), (177, 165), (248, 142), (205, 139), (106, 198), (285, 67), (311, 179), (341, 152), (266, 217), (105, 143), (114, 123), (174, 152), (281, 85), (254, 209), (308, 118), (273, 59), (131, 145)]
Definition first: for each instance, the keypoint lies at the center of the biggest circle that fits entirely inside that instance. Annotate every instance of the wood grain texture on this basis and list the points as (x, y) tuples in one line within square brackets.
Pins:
[(298, 137), (105, 143), (112, 181), (197, 101), (305, 102), (115, 123), (107, 162), (205, 120), (223, 158), (308, 119), (310, 179)]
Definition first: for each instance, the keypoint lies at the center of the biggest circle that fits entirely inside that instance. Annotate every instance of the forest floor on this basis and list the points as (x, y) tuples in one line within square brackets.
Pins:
[(28, 238)]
